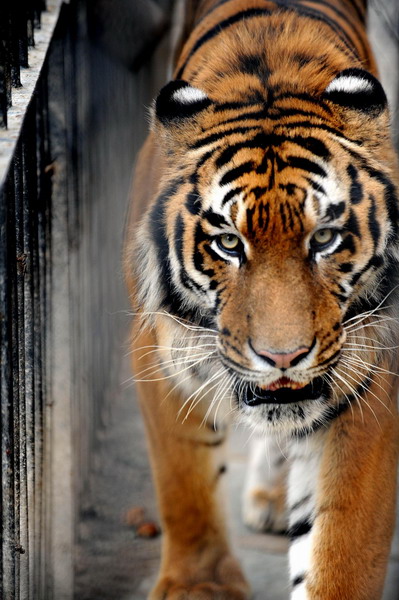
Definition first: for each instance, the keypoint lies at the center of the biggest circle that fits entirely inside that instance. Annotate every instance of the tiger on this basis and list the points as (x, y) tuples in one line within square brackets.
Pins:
[(261, 260)]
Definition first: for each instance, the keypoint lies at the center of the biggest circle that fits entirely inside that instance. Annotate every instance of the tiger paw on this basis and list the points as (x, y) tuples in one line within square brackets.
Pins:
[(264, 510), (225, 582)]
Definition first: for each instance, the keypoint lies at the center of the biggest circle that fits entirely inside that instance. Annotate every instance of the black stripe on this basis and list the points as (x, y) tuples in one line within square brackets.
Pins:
[(375, 262), (346, 267), (254, 64), (264, 141), (299, 529), (314, 145), (250, 216), (330, 358), (319, 102), (390, 192), (185, 279), (316, 186), (169, 297), (335, 210), (298, 162), (260, 140), (234, 106), (220, 135), (332, 412), (193, 198), (201, 236), (356, 189), (219, 28), (193, 203), (258, 191), (231, 193), (276, 114), (299, 217), (300, 502), (214, 218), (344, 17), (352, 224), (374, 225), (390, 197), (237, 172), (361, 13), (336, 27), (346, 244), (322, 126), (298, 580), (342, 299), (255, 115)]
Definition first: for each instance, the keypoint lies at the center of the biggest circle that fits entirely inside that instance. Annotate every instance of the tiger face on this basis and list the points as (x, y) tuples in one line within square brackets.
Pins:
[(274, 228)]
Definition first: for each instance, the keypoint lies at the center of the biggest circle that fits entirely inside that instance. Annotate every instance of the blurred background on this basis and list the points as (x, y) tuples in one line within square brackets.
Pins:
[(76, 81)]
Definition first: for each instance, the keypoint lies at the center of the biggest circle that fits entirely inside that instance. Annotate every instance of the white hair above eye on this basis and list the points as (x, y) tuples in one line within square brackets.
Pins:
[(350, 84), (189, 95)]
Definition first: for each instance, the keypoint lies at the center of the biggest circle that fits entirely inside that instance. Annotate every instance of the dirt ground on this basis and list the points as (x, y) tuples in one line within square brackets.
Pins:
[(113, 564)]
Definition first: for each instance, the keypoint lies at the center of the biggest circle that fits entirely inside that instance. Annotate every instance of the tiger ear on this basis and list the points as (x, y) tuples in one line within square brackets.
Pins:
[(358, 90), (178, 101)]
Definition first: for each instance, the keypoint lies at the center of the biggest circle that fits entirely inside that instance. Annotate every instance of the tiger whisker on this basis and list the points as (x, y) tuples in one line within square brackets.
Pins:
[(356, 326), (350, 368), (195, 400), (173, 350), (374, 367), (364, 387), (366, 347), (169, 376), (355, 394), (378, 307), (364, 337), (178, 361), (200, 396), (187, 324), (198, 390), (332, 380), (218, 397), (367, 313)]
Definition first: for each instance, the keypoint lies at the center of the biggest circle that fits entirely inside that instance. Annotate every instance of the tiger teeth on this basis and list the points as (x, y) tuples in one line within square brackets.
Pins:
[(284, 383)]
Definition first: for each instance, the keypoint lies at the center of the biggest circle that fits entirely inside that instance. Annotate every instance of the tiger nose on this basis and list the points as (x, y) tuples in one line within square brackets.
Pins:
[(283, 360)]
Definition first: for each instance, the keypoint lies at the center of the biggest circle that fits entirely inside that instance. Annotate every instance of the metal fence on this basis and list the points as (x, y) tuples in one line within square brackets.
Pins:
[(65, 166), (24, 282)]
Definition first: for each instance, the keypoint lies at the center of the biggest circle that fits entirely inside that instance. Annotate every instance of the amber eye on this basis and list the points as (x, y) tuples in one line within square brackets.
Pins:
[(230, 242), (323, 238)]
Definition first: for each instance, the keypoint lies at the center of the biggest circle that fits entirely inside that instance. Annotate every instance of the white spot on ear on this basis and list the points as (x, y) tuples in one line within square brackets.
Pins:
[(189, 95), (350, 84)]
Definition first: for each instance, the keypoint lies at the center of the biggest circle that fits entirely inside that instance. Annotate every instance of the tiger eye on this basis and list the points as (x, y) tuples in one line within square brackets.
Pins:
[(229, 241), (323, 237)]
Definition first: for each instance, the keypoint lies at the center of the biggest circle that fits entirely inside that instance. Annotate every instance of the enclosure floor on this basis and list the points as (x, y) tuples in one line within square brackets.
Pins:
[(111, 563)]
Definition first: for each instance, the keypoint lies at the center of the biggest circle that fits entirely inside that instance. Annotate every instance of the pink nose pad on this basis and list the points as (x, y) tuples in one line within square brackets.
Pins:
[(284, 360)]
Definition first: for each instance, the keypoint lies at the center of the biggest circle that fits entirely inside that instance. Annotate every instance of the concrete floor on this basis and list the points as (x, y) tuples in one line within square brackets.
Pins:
[(113, 564)]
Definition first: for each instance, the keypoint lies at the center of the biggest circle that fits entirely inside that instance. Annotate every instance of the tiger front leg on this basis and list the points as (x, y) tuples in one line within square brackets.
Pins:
[(264, 498), (188, 466), (342, 505)]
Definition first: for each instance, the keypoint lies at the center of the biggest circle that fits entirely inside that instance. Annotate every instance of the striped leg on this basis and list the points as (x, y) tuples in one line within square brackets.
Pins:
[(342, 501), (264, 491), (305, 457), (187, 468)]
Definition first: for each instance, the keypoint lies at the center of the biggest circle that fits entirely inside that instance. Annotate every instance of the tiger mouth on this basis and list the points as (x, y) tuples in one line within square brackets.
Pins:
[(283, 391)]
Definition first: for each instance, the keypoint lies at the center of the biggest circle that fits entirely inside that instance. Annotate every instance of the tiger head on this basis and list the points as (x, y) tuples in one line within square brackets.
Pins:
[(271, 242)]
